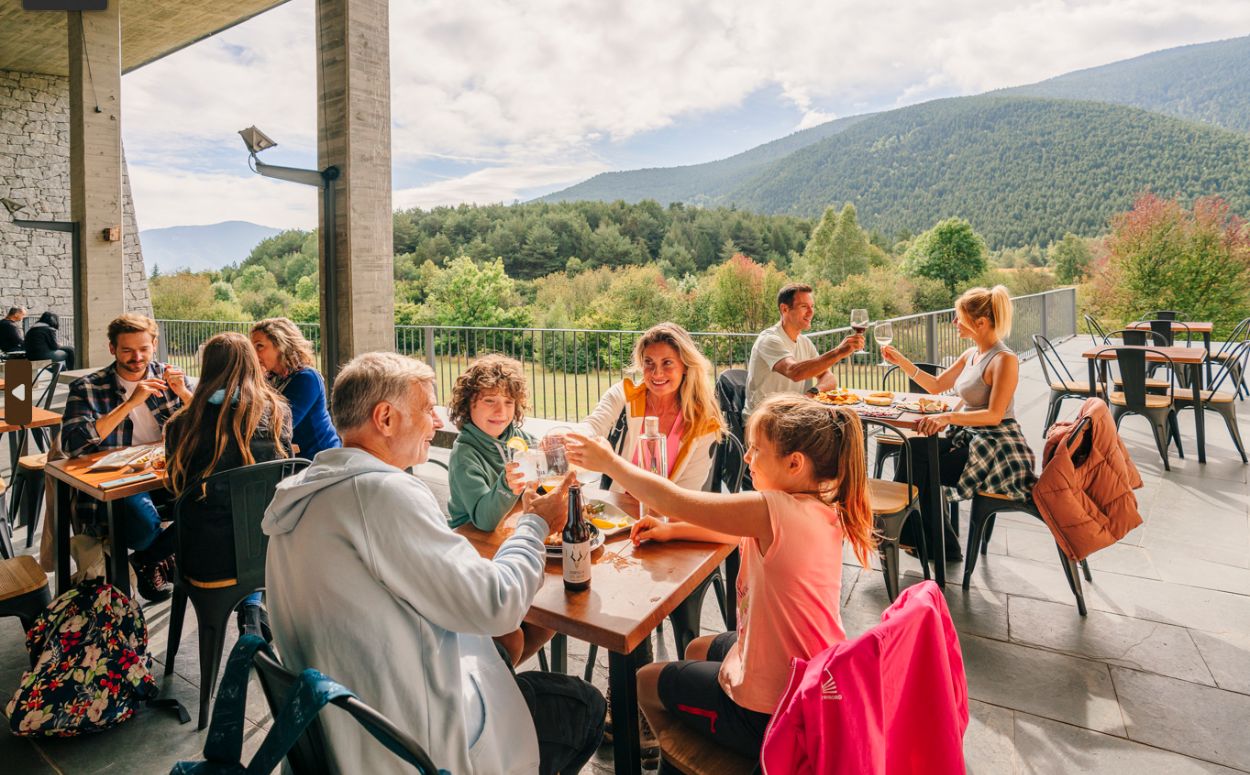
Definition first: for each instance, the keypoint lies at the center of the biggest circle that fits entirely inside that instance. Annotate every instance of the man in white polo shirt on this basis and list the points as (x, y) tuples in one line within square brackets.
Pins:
[(783, 360)]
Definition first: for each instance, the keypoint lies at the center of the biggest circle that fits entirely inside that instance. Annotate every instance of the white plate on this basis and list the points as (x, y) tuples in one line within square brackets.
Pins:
[(614, 513), (557, 551)]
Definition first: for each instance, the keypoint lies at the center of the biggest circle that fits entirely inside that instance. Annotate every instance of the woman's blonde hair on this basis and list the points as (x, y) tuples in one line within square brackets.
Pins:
[(993, 304), (230, 369), (490, 372), (832, 438), (698, 402), (294, 351)]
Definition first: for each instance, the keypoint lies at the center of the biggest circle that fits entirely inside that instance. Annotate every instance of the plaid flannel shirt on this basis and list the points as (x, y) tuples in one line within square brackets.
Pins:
[(90, 398), (999, 461)]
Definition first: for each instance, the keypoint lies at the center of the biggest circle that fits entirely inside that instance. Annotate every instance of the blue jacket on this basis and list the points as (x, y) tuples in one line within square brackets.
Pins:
[(313, 432)]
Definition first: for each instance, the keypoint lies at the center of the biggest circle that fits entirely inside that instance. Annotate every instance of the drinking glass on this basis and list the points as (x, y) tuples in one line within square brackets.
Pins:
[(859, 324), (532, 462), (884, 334), (553, 453)]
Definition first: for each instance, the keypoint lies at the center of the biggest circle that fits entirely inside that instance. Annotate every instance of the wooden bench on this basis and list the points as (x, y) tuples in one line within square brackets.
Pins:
[(690, 753)]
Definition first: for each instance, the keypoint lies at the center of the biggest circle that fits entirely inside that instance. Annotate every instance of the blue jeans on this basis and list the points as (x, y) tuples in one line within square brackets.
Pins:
[(140, 525)]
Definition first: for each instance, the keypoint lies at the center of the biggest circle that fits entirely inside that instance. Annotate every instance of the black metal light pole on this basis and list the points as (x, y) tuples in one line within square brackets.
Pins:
[(256, 141)]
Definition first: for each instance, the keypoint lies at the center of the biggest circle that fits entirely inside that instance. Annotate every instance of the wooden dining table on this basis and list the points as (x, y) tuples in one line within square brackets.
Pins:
[(1205, 328), (1192, 358), (18, 434), (632, 590), (74, 474)]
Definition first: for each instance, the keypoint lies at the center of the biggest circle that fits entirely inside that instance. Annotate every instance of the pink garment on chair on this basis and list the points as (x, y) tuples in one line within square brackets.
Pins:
[(893, 701)]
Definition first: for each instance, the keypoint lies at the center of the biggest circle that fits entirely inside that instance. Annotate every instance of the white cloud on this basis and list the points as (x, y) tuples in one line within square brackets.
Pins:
[(531, 88), (177, 198)]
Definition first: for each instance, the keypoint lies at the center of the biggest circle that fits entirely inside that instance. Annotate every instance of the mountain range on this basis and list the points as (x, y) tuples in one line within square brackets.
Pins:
[(1024, 165), (200, 248)]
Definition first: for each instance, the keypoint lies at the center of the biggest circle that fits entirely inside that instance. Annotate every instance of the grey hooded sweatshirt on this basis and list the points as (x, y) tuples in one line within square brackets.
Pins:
[(366, 583)]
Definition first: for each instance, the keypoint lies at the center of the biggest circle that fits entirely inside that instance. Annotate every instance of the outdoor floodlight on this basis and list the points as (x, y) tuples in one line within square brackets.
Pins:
[(255, 140)]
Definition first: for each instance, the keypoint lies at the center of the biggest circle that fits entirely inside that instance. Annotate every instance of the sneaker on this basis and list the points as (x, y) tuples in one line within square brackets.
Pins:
[(153, 579)]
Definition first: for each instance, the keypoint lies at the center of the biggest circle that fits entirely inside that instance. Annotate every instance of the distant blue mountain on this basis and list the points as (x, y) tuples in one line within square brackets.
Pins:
[(200, 248)]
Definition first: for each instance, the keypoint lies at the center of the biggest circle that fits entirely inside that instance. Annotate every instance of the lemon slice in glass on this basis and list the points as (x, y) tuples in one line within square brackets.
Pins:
[(518, 444)]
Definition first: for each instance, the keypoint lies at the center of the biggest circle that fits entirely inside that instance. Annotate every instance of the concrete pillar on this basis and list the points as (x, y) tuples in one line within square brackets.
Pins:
[(354, 134), (95, 173)]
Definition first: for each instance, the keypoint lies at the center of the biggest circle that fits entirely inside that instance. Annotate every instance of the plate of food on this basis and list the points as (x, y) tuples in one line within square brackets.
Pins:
[(880, 398), (925, 406), (555, 544), (837, 397), (611, 520)]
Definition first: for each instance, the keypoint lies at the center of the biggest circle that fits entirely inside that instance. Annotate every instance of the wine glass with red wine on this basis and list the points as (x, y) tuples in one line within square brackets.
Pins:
[(859, 324)]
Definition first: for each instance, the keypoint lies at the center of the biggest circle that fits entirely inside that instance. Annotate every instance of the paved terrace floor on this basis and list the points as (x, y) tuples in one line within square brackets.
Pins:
[(1155, 680)]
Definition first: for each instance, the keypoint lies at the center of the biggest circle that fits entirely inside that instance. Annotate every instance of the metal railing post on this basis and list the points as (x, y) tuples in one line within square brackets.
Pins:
[(429, 347), (930, 337), (1046, 315)]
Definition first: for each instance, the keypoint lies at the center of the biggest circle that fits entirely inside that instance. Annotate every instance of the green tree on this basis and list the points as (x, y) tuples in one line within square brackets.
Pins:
[(467, 293), (741, 295), (951, 252), (1070, 259)]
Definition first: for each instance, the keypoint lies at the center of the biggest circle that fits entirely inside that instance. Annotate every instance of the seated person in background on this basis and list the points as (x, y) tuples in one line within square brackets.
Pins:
[(984, 427), (127, 403), (288, 357), (42, 344), (807, 462), (367, 583), (783, 360), (234, 419), (488, 405), (676, 388), (11, 330)]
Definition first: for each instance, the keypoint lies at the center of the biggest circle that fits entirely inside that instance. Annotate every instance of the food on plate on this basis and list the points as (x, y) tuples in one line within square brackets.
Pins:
[(837, 397), (932, 405), (879, 400), (608, 524), (554, 540), (881, 394)]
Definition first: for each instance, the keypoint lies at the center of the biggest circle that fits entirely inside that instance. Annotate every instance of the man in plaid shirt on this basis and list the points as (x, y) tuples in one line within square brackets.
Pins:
[(127, 403)]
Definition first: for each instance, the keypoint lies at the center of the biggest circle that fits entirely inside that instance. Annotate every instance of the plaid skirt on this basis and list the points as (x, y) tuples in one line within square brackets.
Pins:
[(999, 461)]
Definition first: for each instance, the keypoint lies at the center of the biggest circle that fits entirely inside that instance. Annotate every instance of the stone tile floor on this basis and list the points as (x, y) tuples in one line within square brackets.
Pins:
[(1155, 680)]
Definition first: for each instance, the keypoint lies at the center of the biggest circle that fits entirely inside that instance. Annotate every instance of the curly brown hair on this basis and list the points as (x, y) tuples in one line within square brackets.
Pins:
[(490, 372)]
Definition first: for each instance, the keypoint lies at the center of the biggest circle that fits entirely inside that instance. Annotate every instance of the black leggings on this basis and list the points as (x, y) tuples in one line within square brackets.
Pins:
[(951, 463)]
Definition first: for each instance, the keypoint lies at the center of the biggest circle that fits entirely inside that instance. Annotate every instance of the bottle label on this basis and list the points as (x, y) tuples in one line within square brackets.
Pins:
[(577, 562)]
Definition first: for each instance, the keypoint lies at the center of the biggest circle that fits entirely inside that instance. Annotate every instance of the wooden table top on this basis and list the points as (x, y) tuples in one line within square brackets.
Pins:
[(907, 421), (1178, 326), (75, 473), (1187, 355), (632, 588), (39, 418)]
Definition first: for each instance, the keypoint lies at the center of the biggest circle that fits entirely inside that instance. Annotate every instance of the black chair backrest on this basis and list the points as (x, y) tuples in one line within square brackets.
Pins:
[(1232, 367), (308, 755), (1240, 333), (1135, 337), (932, 369), (1051, 360), (728, 466), (53, 370), (884, 428), (1166, 314), (1096, 332), (1132, 362), (731, 394), (1163, 328), (251, 488)]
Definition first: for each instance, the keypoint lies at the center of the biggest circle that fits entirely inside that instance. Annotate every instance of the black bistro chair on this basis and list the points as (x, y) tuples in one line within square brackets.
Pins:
[(1216, 400), (1130, 395), (1062, 384), (1165, 314), (1141, 337), (27, 500), (1096, 332), (888, 445), (893, 503), (1240, 333), (251, 489)]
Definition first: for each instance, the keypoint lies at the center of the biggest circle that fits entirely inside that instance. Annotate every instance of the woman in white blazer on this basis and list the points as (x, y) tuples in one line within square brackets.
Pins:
[(677, 388)]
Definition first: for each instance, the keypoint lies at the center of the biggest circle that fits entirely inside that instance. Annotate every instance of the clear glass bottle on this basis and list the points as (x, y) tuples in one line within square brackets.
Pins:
[(652, 452)]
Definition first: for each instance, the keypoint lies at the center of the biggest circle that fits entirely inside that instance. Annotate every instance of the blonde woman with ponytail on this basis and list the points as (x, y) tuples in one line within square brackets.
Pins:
[(983, 441), (807, 463)]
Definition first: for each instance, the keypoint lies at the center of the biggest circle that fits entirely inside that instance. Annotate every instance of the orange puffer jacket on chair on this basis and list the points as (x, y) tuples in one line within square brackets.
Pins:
[(1085, 492)]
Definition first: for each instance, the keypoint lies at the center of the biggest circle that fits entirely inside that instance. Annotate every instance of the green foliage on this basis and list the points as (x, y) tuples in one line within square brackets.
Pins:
[(951, 252), (741, 295), (466, 293), (187, 296), (1070, 259)]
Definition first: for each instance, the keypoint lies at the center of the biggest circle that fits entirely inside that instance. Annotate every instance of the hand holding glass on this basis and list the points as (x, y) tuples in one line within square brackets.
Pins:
[(859, 324), (884, 334)]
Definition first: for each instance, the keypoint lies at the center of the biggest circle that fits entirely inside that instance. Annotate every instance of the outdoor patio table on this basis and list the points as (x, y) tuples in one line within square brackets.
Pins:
[(933, 510), (1190, 357), (73, 474), (39, 418), (1179, 327), (632, 590)]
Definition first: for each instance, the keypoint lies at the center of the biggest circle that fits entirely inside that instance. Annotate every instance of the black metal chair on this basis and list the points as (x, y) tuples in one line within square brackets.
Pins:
[(1215, 400), (27, 500), (1134, 398), (308, 755), (1239, 334), (1095, 330), (1062, 384), (1140, 337), (893, 503), (888, 446), (1165, 314), (251, 489)]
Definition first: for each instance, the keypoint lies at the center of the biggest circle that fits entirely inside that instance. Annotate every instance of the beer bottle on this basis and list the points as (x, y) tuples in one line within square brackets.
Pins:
[(576, 541)]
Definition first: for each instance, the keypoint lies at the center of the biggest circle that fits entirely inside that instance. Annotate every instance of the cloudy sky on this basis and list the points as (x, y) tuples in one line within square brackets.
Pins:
[(503, 100)]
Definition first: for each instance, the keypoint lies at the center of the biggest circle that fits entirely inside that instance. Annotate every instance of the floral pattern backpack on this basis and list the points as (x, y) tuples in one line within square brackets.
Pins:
[(91, 666)]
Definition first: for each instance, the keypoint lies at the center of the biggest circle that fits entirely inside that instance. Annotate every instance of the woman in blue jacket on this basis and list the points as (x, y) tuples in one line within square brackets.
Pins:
[(288, 357)]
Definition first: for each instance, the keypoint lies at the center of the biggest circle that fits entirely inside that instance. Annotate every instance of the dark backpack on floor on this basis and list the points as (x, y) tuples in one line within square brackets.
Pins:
[(92, 668)]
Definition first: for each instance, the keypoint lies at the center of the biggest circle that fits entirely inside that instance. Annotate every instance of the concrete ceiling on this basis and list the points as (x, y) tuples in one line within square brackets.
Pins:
[(36, 41)]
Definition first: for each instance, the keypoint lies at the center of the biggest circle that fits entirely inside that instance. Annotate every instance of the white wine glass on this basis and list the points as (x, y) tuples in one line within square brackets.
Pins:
[(859, 324), (884, 334)]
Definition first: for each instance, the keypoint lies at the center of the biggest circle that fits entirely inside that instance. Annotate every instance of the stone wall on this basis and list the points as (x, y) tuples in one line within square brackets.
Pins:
[(35, 266)]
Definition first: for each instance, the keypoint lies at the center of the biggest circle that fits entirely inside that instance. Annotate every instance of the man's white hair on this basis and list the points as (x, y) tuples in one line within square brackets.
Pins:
[(369, 379)]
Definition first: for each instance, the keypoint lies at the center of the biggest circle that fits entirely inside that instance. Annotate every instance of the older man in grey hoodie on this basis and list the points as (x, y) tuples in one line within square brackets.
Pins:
[(366, 583)]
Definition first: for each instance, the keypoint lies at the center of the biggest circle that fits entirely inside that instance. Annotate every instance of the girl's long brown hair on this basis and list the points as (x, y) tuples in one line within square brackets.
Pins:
[(228, 363), (832, 438)]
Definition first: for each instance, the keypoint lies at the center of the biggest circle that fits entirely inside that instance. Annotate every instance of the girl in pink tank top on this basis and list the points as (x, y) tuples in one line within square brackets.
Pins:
[(807, 463)]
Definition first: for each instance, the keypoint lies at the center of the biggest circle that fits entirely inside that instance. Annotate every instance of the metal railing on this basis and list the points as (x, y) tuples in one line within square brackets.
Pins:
[(569, 369)]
